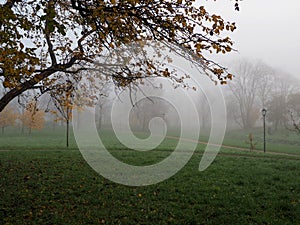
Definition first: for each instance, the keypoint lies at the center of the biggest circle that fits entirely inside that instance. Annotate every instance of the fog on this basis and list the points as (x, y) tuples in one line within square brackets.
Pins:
[(266, 30), (267, 44)]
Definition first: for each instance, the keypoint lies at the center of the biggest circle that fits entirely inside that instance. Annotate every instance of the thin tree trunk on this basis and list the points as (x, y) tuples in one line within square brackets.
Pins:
[(67, 141), (67, 120)]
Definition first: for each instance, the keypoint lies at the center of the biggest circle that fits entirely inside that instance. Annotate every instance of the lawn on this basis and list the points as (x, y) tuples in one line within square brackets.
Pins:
[(43, 183)]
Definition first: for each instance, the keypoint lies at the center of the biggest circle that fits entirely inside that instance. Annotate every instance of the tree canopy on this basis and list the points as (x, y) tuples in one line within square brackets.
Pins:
[(44, 40)]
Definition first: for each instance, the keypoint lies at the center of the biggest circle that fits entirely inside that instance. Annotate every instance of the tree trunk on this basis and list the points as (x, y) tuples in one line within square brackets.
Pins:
[(19, 89), (9, 96), (67, 141)]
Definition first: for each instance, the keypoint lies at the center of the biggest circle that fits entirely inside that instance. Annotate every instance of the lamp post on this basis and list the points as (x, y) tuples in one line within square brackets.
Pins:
[(264, 112)]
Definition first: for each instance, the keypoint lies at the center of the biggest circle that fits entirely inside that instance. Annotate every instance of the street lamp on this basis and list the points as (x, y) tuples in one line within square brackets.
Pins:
[(264, 112)]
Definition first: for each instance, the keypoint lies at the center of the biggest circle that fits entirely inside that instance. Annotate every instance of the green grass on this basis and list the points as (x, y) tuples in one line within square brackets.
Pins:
[(58, 187), (38, 139), (42, 182), (55, 139), (282, 141)]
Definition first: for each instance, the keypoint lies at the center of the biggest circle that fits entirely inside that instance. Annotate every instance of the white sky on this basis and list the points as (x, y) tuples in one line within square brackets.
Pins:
[(266, 29)]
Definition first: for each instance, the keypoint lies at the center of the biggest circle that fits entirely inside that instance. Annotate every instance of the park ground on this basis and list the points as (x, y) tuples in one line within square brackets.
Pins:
[(42, 182)]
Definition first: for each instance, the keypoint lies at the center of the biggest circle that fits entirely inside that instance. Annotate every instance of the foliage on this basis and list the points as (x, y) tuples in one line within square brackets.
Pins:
[(7, 117), (62, 100), (33, 118), (41, 38)]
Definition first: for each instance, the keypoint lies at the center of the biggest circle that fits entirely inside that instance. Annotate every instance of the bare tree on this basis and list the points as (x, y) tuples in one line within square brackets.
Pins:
[(294, 111), (246, 87), (282, 101), (296, 125), (103, 102), (266, 83), (278, 111), (149, 106)]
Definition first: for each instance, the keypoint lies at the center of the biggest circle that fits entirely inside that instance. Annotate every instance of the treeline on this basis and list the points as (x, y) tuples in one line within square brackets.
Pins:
[(258, 86), (254, 87), (33, 113), (28, 117)]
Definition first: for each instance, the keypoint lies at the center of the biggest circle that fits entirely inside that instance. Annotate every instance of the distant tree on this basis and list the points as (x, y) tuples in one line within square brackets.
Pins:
[(33, 118), (103, 102), (41, 38), (266, 82), (278, 111), (7, 117), (145, 110), (295, 123), (249, 89), (149, 107), (294, 103), (294, 111), (283, 100), (203, 110), (63, 102), (284, 85)]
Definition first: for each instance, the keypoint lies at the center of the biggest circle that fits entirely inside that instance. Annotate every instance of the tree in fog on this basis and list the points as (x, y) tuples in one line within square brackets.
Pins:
[(203, 107), (277, 111), (103, 103), (148, 107), (266, 78), (145, 110), (283, 88), (33, 118), (62, 100), (294, 111), (250, 90), (7, 117)]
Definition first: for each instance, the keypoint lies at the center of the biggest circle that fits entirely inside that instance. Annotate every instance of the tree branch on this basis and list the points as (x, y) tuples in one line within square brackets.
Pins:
[(10, 95), (47, 36)]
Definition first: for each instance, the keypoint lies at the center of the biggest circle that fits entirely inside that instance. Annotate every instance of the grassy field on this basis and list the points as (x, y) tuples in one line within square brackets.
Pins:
[(42, 182)]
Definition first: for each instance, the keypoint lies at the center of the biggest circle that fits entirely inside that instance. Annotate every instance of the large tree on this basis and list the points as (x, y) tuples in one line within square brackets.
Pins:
[(41, 38), (250, 90)]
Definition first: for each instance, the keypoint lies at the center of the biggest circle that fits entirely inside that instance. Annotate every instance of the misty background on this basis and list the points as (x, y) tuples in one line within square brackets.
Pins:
[(265, 68)]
